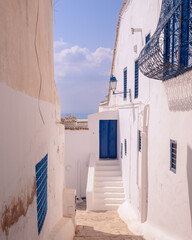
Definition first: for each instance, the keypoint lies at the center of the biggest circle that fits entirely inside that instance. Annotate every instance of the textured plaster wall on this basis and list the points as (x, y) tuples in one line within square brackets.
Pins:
[(26, 44), (168, 202), (30, 115)]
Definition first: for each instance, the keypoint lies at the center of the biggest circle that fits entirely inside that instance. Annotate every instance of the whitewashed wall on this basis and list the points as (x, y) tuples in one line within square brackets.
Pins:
[(93, 121), (168, 200), (30, 119), (77, 153)]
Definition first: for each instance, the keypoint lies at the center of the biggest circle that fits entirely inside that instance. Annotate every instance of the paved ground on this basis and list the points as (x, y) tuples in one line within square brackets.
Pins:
[(101, 226)]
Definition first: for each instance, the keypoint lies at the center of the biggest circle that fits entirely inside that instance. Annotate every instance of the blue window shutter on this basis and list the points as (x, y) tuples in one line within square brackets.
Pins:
[(139, 145), (125, 84), (184, 33), (136, 79), (41, 191)]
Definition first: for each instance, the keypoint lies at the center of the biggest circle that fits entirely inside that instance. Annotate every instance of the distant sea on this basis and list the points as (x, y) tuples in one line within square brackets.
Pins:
[(78, 115)]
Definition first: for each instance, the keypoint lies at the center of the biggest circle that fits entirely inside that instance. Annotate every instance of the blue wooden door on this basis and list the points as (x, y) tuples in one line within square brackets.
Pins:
[(108, 139)]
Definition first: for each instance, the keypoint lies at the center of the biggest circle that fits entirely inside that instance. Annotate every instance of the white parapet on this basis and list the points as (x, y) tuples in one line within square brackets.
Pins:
[(90, 183)]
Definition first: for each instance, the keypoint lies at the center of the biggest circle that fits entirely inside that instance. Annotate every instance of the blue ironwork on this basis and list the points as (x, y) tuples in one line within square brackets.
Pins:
[(108, 139), (136, 79), (173, 155), (41, 191), (169, 51), (125, 83), (147, 38)]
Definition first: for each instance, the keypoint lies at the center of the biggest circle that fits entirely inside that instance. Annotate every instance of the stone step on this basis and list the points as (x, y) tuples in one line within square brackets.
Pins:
[(108, 173), (107, 163), (111, 189), (108, 178), (109, 195), (108, 168), (109, 201), (108, 184)]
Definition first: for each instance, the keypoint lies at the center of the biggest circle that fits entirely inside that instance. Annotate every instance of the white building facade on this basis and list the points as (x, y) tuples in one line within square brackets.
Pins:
[(154, 140)]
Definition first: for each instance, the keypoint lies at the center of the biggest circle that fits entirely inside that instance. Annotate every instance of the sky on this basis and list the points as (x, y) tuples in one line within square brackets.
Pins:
[(84, 38)]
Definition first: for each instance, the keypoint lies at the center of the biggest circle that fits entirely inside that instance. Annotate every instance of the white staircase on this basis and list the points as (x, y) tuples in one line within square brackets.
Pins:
[(108, 185)]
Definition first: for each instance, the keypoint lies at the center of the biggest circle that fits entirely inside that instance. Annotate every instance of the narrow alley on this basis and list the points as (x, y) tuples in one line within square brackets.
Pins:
[(105, 225)]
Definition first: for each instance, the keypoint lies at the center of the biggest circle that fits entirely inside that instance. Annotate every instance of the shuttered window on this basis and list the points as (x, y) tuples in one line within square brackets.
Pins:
[(121, 150), (41, 191), (125, 146), (139, 141), (173, 155), (125, 83), (136, 79)]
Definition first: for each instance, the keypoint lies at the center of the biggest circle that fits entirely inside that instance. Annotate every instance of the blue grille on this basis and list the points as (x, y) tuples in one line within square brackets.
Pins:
[(169, 51), (125, 147), (173, 155), (147, 38), (125, 84), (136, 79), (139, 141), (41, 191), (121, 150)]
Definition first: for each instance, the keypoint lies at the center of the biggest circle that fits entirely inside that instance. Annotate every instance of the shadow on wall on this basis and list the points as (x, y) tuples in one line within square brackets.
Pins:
[(179, 92), (189, 178)]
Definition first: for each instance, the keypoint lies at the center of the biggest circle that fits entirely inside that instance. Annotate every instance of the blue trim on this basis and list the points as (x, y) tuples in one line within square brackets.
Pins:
[(125, 83), (147, 38), (41, 191), (136, 79), (125, 142), (139, 145)]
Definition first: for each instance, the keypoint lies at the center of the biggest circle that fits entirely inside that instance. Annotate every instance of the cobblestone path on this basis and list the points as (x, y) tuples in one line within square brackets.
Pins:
[(101, 226)]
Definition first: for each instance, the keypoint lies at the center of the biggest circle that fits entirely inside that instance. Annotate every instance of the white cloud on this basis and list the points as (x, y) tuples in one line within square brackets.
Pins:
[(59, 43), (82, 76), (82, 60)]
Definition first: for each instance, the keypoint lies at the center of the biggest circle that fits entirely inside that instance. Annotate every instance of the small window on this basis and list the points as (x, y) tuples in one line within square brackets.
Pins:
[(121, 150), (136, 79), (41, 191), (125, 147), (125, 83), (139, 143), (147, 38), (173, 155)]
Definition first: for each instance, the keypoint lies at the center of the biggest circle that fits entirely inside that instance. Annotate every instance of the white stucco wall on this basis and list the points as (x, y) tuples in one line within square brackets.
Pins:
[(168, 198), (93, 121), (30, 119), (77, 145)]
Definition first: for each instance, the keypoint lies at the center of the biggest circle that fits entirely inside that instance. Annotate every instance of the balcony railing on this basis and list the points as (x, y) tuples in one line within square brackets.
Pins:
[(169, 51)]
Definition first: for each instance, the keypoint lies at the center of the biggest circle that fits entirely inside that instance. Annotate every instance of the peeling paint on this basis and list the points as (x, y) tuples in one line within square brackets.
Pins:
[(18, 207)]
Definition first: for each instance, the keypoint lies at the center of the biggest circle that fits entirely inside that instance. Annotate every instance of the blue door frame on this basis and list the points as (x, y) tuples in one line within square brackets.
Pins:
[(108, 139)]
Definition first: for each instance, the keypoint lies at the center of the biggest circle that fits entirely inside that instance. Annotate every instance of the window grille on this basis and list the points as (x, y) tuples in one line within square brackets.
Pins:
[(125, 147), (169, 51), (139, 144), (136, 79), (173, 155), (125, 83), (147, 38), (41, 191)]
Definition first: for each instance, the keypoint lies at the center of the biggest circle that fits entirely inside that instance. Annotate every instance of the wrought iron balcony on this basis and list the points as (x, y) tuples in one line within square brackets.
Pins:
[(169, 51)]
